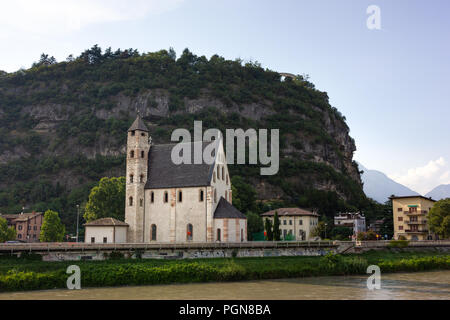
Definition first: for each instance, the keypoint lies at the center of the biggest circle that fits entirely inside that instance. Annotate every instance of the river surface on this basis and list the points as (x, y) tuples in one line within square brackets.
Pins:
[(418, 285)]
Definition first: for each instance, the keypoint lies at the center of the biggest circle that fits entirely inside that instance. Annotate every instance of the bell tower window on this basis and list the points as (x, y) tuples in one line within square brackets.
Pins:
[(142, 154), (133, 133), (130, 201), (131, 178), (132, 154)]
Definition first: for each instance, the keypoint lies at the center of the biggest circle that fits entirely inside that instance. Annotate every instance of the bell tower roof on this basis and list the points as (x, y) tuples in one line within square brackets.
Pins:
[(138, 124)]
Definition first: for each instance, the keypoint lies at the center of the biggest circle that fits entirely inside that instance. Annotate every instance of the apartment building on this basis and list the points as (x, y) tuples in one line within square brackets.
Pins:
[(353, 220), (410, 217), (27, 225)]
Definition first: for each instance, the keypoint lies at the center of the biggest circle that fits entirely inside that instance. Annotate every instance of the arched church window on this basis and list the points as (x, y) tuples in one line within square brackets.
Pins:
[(223, 171), (189, 232), (166, 197), (152, 197), (153, 232), (180, 196), (141, 202), (143, 134), (131, 178), (142, 154), (218, 172), (215, 195), (201, 195), (132, 154), (141, 178), (226, 195), (130, 201), (227, 179), (214, 176), (242, 235)]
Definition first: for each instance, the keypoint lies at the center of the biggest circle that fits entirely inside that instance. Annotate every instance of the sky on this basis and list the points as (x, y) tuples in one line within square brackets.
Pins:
[(392, 84)]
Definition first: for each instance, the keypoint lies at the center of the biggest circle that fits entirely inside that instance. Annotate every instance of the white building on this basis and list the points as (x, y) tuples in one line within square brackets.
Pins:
[(168, 202), (106, 230), (356, 221), (295, 223)]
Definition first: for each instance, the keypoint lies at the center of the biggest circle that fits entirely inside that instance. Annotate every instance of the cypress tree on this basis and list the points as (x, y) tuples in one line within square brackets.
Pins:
[(276, 228)]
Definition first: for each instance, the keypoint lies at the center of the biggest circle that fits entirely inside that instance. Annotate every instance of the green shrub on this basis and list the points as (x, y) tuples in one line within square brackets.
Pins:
[(30, 256), (115, 255), (19, 274), (398, 244)]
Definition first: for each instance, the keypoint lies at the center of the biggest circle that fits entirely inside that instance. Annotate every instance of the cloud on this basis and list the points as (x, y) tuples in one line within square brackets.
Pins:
[(60, 16), (424, 179)]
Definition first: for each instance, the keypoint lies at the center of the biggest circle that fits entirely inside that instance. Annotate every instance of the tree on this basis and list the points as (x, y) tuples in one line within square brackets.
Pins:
[(172, 54), (107, 199), (268, 230), (341, 233), (276, 228), (320, 230), (6, 233), (52, 229), (254, 224), (439, 218), (244, 195), (45, 60), (366, 236)]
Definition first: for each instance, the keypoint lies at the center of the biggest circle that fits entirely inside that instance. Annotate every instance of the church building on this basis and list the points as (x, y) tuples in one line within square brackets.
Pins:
[(168, 202)]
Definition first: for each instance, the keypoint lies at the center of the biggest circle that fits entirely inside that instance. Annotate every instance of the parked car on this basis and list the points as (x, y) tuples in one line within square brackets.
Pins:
[(15, 241)]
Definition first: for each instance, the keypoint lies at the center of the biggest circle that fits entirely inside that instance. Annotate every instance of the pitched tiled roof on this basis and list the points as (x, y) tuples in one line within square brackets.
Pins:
[(225, 210), (404, 197), (138, 124), (290, 212), (21, 216), (106, 222), (163, 173)]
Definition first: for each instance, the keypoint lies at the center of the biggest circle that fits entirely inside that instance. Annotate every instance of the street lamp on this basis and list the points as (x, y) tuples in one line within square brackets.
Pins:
[(78, 218), (326, 224)]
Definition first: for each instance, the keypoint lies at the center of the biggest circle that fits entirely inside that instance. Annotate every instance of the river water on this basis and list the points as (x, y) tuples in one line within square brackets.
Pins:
[(418, 285)]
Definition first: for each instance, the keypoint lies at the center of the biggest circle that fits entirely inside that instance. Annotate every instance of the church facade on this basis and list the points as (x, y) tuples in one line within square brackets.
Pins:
[(167, 202)]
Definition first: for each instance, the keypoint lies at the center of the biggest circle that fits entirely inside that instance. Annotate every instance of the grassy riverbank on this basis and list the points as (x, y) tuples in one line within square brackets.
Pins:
[(27, 274)]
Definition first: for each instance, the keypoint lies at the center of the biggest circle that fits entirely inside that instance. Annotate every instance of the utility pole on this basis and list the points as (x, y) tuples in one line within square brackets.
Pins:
[(78, 217)]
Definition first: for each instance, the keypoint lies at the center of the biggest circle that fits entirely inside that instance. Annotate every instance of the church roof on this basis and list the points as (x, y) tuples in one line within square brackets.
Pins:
[(106, 222), (138, 124), (163, 173), (225, 210)]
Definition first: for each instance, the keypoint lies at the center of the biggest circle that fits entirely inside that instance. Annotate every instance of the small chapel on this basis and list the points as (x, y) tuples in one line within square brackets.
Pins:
[(168, 202)]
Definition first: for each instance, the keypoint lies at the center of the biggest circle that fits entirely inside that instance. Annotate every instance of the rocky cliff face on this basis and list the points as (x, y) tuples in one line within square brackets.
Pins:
[(154, 104), (66, 124)]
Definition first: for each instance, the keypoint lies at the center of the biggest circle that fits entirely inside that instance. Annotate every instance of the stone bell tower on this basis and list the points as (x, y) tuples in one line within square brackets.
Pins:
[(138, 146)]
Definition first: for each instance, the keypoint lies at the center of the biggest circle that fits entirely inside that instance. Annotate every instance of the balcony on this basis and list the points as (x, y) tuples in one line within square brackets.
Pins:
[(418, 212), (416, 231), (416, 222)]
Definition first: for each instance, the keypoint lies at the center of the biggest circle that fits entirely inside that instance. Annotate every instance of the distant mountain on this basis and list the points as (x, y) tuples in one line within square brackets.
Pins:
[(440, 192), (380, 187)]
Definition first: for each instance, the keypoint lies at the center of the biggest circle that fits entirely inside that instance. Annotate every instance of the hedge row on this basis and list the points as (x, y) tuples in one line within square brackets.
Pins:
[(140, 273)]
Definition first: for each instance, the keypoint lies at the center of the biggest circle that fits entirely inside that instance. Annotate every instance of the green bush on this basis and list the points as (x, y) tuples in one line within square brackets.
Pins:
[(398, 244)]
